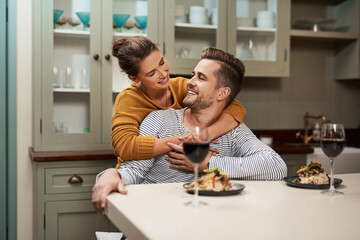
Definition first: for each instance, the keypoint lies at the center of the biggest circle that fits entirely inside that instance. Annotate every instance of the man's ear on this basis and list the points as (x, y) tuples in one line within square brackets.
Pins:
[(224, 93)]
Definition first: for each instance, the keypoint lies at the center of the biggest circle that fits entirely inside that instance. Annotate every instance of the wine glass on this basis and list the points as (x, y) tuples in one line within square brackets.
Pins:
[(332, 143), (196, 147)]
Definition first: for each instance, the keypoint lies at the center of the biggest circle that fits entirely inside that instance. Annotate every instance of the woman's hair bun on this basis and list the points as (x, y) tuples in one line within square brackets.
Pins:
[(117, 45)]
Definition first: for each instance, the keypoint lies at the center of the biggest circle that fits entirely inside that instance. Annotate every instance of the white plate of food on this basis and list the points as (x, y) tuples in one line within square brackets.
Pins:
[(215, 183), (236, 188), (312, 176)]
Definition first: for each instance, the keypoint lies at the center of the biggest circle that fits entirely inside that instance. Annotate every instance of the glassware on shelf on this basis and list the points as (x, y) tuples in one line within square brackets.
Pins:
[(73, 21), (57, 78), (57, 14), (59, 127), (120, 19), (67, 78), (141, 22), (84, 78), (129, 24), (62, 20), (247, 50), (84, 18)]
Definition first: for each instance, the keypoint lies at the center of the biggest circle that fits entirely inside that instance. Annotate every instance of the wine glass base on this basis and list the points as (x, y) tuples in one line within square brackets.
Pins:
[(332, 193), (194, 205)]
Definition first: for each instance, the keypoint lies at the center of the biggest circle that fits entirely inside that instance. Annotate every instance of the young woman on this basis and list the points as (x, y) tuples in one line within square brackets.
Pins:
[(152, 89)]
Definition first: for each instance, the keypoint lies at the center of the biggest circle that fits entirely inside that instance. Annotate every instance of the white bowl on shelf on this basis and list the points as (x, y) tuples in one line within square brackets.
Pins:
[(265, 19), (198, 15)]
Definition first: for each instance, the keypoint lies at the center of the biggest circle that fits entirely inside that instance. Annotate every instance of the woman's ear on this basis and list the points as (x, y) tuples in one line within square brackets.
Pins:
[(132, 78), (224, 93)]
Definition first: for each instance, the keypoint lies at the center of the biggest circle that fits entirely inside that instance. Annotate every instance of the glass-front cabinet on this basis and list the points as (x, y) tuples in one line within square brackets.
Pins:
[(258, 34), (190, 27), (76, 79), (256, 31)]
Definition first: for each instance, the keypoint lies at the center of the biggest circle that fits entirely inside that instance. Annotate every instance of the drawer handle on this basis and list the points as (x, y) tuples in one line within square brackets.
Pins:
[(75, 179)]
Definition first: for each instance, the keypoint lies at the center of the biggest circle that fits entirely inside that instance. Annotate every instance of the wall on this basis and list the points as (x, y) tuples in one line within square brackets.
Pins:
[(24, 120), (280, 103)]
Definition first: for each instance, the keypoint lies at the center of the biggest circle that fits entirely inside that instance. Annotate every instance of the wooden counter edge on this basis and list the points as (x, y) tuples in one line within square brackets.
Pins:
[(70, 155)]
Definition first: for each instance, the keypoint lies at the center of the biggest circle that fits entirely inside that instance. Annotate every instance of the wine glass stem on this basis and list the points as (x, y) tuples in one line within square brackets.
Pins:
[(196, 195), (332, 188)]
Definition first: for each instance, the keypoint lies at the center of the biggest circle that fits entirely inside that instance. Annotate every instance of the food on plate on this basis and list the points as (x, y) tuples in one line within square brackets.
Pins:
[(213, 180), (312, 174)]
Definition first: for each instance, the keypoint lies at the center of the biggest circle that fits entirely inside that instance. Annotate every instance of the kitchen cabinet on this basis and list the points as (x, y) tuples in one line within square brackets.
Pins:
[(231, 26), (336, 23), (76, 79), (294, 162), (62, 200)]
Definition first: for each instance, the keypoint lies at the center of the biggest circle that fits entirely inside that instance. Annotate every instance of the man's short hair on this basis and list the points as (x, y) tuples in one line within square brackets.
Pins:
[(230, 74)]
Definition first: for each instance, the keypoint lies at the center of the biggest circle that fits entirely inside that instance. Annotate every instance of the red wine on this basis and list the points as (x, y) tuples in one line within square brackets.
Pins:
[(332, 147), (196, 152)]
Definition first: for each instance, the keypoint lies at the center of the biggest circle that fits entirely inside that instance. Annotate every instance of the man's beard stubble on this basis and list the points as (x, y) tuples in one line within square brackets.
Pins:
[(198, 104)]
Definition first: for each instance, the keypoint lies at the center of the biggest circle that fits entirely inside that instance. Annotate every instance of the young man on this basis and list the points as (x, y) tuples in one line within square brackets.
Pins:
[(215, 83)]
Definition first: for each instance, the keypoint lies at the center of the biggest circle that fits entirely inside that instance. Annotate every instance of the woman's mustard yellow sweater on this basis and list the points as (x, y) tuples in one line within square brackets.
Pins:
[(132, 105)]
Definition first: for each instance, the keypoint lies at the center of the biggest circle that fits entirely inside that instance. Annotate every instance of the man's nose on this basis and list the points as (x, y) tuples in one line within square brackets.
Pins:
[(191, 81)]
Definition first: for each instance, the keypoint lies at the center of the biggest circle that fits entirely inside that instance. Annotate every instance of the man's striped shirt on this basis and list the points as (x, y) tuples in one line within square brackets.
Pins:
[(242, 155)]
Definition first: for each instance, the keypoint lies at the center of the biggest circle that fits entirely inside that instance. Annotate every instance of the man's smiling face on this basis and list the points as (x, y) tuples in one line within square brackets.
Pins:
[(202, 85)]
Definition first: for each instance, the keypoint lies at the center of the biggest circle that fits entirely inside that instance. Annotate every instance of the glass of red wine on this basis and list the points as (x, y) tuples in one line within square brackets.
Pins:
[(196, 148), (332, 143)]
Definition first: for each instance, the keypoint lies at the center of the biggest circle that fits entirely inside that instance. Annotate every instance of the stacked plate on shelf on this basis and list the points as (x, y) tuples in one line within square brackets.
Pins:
[(319, 24)]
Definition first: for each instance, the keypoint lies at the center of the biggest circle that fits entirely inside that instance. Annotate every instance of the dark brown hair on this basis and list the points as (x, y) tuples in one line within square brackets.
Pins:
[(230, 74), (131, 51)]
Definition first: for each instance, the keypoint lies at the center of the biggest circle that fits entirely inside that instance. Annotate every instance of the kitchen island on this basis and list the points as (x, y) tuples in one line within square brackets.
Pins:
[(263, 210)]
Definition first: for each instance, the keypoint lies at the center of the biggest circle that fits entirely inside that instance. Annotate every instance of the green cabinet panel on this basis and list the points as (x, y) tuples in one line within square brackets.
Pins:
[(73, 220), (62, 203)]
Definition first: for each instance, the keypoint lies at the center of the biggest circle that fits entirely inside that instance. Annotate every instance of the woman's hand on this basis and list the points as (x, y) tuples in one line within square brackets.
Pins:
[(179, 161), (177, 158)]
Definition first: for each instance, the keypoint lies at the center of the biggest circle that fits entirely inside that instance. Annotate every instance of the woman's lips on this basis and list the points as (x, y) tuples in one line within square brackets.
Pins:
[(164, 81)]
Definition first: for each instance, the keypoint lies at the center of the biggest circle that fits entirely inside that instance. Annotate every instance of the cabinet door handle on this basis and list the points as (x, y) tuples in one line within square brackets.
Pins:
[(75, 179), (96, 57), (107, 57)]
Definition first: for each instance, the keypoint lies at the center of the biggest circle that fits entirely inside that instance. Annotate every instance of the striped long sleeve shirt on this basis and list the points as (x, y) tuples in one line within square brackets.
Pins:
[(242, 155)]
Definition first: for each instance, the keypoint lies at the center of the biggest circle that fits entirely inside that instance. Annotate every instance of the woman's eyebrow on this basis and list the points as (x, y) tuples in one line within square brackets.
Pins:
[(152, 70)]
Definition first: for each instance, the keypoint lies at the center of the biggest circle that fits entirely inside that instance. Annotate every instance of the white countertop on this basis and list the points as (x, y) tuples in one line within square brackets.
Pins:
[(264, 210), (347, 162)]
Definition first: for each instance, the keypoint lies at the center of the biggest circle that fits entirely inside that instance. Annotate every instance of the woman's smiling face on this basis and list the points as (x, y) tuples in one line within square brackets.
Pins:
[(154, 73)]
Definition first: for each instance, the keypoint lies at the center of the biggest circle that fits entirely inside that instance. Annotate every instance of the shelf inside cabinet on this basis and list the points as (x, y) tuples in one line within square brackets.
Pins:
[(72, 90), (199, 28), (190, 25), (323, 35), (255, 31), (71, 33), (127, 34)]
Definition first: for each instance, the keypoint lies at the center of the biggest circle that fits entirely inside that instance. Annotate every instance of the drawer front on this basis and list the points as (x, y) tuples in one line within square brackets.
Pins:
[(70, 179)]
